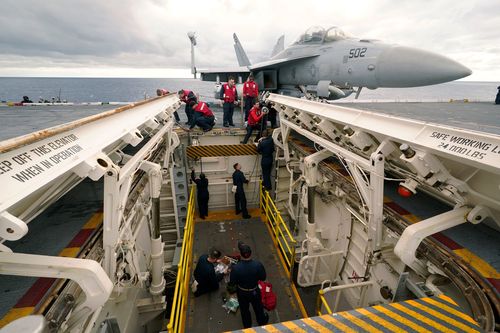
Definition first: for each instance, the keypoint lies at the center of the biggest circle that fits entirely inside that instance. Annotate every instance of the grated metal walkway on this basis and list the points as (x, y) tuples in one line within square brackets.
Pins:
[(205, 313)]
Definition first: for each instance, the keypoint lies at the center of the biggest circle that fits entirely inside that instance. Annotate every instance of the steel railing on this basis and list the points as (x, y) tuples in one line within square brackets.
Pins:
[(322, 302), (282, 236), (179, 303)]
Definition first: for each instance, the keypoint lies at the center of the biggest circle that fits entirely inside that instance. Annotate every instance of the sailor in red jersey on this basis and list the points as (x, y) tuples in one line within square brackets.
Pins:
[(229, 97), (203, 117), (250, 93), (187, 96), (255, 121)]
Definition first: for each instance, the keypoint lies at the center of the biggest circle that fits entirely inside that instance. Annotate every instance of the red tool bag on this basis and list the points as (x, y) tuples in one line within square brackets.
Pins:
[(267, 295)]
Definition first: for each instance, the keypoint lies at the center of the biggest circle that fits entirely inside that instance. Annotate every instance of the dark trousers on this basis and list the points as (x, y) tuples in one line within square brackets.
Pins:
[(176, 116), (250, 130), (249, 102), (204, 288), (189, 113), (205, 123), (245, 298), (228, 109), (271, 116), (497, 99), (240, 202), (203, 204), (267, 167)]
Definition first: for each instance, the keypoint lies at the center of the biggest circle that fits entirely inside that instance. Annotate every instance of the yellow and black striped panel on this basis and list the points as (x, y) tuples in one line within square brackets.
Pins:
[(220, 150), (430, 314)]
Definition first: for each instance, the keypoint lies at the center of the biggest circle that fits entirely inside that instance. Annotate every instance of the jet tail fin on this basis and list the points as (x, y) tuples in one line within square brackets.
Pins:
[(240, 52), (280, 46)]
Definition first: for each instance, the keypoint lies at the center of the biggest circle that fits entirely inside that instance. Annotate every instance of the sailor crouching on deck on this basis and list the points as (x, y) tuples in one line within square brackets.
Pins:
[(204, 273), (240, 200), (246, 275), (187, 96), (229, 97), (255, 122), (202, 116)]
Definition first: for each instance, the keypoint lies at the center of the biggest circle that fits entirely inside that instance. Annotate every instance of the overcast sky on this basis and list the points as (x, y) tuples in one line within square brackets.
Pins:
[(147, 38)]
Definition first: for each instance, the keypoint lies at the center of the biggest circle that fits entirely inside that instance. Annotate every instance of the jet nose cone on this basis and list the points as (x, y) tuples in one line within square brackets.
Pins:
[(401, 66)]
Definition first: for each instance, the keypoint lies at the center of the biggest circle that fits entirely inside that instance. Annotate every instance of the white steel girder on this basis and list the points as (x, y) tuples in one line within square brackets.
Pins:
[(373, 191), (30, 164), (33, 165)]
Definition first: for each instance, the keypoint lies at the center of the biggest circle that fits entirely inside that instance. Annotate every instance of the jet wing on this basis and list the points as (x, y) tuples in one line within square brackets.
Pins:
[(279, 62), (223, 73)]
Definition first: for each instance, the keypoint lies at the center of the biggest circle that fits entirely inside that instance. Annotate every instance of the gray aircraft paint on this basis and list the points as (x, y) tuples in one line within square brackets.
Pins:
[(348, 62)]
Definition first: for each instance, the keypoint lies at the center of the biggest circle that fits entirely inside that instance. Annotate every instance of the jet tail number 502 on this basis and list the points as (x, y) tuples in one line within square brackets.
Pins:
[(357, 53)]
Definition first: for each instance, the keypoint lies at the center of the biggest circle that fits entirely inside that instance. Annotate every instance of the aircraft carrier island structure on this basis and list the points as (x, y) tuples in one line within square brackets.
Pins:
[(375, 223)]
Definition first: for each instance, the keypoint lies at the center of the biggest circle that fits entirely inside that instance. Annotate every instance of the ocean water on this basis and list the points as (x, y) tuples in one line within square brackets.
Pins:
[(133, 89)]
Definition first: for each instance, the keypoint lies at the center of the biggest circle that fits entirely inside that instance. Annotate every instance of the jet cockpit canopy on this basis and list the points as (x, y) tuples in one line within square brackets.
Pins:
[(317, 34), (312, 35), (335, 33)]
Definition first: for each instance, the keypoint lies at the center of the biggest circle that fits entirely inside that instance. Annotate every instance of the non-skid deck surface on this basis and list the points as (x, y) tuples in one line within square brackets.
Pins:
[(205, 313), (430, 314)]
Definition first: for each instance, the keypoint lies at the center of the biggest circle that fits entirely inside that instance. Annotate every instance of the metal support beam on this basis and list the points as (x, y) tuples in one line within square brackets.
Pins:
[(87, 273), (413, 235)]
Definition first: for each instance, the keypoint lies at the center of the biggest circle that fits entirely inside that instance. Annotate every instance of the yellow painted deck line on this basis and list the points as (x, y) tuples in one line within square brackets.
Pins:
[(412, 218), (94, 221), (380, 321), (441, 316), (249, 330), (359, 322), (337, 323), (485, 269), (448, 299), (302, 308), (270, 328), (317, 326), (292, 326), (227, 215), (387, 199), (423, 319), (401, 319), (16, 313), (299, 301), (70, 252), (449, 309)]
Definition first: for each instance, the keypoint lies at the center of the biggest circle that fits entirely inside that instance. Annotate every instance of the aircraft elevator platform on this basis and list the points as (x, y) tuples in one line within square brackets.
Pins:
[(333, 234)]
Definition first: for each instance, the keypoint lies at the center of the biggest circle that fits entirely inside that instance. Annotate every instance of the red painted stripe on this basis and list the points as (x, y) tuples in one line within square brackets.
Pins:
[(80, 238), (35, 293), (495, 283), (446, 241), (397, 208)]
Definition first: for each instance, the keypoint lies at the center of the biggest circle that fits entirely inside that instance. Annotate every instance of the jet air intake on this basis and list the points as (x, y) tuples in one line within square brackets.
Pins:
[(326, 89)]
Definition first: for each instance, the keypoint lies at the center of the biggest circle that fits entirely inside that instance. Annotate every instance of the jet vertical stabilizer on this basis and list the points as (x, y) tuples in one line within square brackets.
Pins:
[(280, 46), (240, 52)]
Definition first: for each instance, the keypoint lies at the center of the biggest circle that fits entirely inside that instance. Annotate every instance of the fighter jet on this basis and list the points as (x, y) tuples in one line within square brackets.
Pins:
[(331, 64)]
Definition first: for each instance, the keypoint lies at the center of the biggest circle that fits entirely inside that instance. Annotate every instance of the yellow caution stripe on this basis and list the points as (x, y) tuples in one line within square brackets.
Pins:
[(430, 314), (194, 152)]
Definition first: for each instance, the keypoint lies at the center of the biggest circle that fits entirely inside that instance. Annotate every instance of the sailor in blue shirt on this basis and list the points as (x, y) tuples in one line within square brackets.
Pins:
[(266, 149), (245, 275), (240, 199), (204, 273)]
